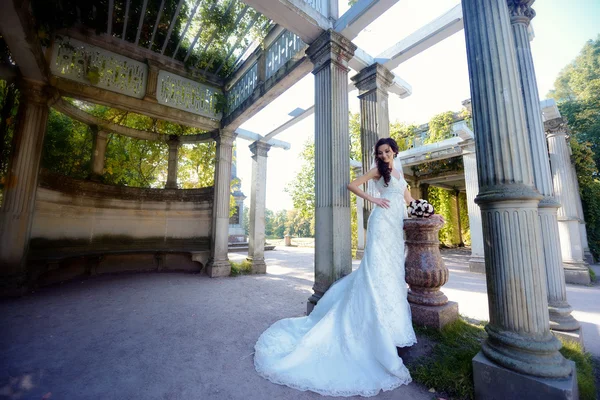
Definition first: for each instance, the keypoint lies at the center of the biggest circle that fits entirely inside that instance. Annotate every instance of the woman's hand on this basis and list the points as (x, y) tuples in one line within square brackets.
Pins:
[(381, 202)]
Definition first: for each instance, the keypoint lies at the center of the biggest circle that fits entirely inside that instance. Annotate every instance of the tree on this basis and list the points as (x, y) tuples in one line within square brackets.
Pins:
[(9, 103)]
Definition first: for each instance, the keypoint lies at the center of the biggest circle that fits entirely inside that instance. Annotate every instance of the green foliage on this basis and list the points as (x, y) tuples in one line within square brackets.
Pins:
[(440, 127), (464, 219), (67, 146), (449, 369), (240, 268), (444, 202), (302, 189), (585, 370), (196, 167), (9, 104), (403, 134)]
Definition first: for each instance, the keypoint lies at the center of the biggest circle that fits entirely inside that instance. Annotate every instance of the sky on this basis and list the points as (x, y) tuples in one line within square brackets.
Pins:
[(438, 76)]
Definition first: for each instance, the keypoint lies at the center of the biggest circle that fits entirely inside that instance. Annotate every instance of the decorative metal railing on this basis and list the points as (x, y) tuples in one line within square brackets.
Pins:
[(281, 51), (243, 88), (322, 6), (94, 66), (188, 95)]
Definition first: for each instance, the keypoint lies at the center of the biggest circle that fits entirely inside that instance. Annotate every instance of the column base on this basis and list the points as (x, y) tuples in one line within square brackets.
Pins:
[(258, 265), (491, 383), (434, 316), (573, 336), (588, 257), (359, 254), (477, 264), (561, 318), (312, 302), (215, 269), (577, 273)]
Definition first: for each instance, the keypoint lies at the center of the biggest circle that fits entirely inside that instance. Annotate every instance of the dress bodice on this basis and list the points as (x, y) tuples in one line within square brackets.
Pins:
[(394, 186)]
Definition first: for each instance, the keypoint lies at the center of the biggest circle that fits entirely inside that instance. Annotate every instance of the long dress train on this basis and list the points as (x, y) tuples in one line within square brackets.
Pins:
[(347, 345)]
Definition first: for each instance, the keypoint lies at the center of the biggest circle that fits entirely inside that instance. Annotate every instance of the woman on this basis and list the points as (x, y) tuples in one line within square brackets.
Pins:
[(347, 345)]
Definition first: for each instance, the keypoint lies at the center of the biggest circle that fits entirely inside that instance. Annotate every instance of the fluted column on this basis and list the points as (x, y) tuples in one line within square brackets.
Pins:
[(98, 152), (587, 254), (519, 337), (16, 214), (372, 84), (559, 308), (476, 262), (330, 54), (173, 143), (218, 264), (565, 190), (258, 197), (360, 245)]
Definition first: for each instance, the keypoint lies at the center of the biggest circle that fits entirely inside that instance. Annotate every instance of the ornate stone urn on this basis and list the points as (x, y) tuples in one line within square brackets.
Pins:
[(426, 273)]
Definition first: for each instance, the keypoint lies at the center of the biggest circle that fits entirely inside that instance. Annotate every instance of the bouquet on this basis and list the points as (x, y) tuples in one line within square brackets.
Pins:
[(420, 209)]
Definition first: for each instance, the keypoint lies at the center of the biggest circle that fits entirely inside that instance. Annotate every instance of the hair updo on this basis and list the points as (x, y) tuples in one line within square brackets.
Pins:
[(382, 167)]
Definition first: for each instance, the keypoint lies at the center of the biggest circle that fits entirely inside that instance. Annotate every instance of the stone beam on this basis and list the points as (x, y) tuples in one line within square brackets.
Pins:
[(111, 99), (362, 60), (294, 15), (423, 38), (255, 137), (21, 37), (360, 15), (305, 114), (78, 114)]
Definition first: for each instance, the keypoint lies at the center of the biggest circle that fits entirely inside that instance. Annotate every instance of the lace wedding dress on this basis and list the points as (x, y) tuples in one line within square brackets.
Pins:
[(347, 345)]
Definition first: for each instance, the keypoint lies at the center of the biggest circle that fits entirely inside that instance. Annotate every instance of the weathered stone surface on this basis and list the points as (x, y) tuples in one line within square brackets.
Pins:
[(572, 336), (258, 196), (494, 382), (426, 272), (434, 316)]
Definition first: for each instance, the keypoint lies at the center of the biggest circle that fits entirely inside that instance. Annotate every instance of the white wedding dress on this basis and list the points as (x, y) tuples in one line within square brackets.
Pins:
[(347, 345)]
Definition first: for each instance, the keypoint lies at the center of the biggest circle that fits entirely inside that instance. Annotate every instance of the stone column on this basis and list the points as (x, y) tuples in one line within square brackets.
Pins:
[(258, 196), (173, 143), (372, 84), (576, 271), (461, 243), (559, 309), (16, 214), (587, 254), (476, 262), (360, 245), (519, 341), (218, 265), (330, 54), (424, 187), (98, 152)]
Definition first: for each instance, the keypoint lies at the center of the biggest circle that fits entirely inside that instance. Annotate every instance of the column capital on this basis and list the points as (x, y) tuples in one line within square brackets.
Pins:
[(259, 149), (330, 46), (375, 76), (556, 127), (173, 141), (34, 91), (521, 11), (226, 137)]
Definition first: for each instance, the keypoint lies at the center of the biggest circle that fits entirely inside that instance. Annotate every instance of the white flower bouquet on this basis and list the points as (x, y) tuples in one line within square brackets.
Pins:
[(420, 209)]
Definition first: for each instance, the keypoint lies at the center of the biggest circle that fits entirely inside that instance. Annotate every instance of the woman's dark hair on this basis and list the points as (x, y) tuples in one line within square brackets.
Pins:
[(382, 167)]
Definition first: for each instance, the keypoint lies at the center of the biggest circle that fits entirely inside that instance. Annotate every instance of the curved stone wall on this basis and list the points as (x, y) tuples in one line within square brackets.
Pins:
[(126, 227)]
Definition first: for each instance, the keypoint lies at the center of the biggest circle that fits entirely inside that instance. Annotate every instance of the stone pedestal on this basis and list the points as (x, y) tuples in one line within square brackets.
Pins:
[(218, 265), (288, 240), (519, 337), (16, 214), (172, 165), (258, 194), (499, 383), (426, 273), (98, 153), (565, 189), (330, 54), (559, 309)]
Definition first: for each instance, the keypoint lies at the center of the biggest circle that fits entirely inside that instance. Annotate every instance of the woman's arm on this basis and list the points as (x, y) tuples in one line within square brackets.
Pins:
[(354, 187), (407, 197)]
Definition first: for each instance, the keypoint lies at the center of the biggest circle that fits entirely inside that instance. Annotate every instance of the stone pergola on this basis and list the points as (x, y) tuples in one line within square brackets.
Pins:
[(518, 213)]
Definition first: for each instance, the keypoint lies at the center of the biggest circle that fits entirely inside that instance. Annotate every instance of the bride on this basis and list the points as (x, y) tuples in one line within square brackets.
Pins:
[(347, 345)]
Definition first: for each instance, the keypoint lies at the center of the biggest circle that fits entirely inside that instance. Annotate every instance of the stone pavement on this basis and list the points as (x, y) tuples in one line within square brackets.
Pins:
[(182, 336)]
